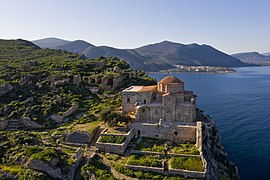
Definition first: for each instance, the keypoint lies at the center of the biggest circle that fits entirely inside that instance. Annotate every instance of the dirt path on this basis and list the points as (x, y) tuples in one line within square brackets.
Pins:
[(115, 173)]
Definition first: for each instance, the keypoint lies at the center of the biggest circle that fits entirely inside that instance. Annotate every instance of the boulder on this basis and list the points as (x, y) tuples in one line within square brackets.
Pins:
[(5, 88), (77, 79)]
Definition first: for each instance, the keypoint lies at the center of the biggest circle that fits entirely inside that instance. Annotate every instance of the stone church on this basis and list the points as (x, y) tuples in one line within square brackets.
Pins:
[(163, 111), (166, 101)]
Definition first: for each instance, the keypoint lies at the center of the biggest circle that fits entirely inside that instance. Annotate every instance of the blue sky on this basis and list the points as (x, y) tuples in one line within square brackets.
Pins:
[(228, 25)]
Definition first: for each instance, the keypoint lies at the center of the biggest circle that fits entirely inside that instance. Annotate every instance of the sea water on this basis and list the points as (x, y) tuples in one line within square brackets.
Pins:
[(240, 105)]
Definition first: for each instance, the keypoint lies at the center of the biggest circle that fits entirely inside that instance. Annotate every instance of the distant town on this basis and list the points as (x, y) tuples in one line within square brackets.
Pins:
[(200, 69)]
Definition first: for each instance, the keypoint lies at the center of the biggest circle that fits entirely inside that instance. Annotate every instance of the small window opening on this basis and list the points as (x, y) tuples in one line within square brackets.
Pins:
[(144, 101), (128, 100)]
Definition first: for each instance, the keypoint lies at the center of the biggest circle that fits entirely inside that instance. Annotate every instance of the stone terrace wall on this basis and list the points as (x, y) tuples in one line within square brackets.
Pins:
[(112, 147), (145, 168), (172, 133), (186, 173), (162, 154)]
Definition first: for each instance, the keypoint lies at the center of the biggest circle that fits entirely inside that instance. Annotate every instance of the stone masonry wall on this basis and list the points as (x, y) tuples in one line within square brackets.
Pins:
[(112, 147), (172, 133)]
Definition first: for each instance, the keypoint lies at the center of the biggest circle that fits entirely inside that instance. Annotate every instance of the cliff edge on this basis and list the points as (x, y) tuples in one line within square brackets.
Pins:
[(218, 164)]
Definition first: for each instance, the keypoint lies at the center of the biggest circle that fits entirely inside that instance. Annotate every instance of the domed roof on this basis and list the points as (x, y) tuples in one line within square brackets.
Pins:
[(170, 79)]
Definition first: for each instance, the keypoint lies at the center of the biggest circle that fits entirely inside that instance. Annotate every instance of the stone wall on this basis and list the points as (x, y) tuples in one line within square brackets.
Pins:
[(78, 137), (145, 168), (199, 136), (172, 133), (187, 173), (112, 147), (162, 154), (181, 172)]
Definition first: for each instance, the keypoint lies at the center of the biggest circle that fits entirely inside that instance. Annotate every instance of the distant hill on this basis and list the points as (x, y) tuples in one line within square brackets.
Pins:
[(50, 42), (74, 46), (266, 54), (192, 54), (159, 56), (253, 58)]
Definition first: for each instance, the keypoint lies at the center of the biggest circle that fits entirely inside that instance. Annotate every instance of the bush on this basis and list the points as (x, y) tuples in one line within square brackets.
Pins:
[(147, 160), (187, 163), (28, 174), (112, 118), (98, 168)]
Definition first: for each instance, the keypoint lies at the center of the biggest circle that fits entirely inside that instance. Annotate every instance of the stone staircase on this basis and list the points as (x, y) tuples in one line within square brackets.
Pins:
[(13, 125), (94, 140)]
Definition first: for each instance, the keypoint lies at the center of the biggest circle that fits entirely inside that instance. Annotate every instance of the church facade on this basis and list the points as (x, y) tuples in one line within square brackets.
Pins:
[(167, 101)]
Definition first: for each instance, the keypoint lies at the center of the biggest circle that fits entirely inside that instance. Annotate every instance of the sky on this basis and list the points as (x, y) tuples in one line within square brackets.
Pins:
[(231, 26)]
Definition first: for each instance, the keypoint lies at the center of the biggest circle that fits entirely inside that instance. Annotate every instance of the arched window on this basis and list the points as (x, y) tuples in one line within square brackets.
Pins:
[(128, 100), (144, 101)]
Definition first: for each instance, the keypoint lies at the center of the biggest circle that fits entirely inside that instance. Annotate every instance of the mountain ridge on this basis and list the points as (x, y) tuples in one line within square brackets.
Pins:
[(50, 42), (157, 56), (253, 58)]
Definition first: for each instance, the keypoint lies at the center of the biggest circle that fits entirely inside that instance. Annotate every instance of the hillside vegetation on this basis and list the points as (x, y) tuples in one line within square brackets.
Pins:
[(50, 87)]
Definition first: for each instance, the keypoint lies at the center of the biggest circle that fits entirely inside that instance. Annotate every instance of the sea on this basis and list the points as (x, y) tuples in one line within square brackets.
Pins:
[(240, 106)]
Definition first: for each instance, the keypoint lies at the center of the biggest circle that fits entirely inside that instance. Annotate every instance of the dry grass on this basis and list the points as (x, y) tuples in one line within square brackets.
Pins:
[(87, 127)]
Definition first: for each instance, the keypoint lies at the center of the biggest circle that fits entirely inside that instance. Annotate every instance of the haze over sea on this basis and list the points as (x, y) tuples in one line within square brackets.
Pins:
[(240, 106)]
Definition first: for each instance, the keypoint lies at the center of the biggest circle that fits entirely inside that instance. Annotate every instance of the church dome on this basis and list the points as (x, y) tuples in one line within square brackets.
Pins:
[(170, 79)]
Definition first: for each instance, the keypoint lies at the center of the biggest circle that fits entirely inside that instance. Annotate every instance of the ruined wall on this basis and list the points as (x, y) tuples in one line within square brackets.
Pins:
[(172, 133), (187, 173), (112, 147), (128, 101), (145, 168)]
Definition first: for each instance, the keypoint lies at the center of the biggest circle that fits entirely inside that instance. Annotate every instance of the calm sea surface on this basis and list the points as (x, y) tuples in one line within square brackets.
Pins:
[(240, 106)]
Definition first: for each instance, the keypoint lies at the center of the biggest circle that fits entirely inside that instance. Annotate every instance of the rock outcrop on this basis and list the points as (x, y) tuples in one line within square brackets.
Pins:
[(28, 124), (59, 118), (42, 166), (219, 166), (3, 125), (5, 89), (78, 137)]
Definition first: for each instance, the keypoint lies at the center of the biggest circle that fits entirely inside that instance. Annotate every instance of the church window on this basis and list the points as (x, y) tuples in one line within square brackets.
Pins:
[(144, 101), (128, 100), (154, 96)]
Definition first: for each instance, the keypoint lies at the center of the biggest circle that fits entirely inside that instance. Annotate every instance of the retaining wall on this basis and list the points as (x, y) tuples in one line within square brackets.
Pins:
[(112, 147)]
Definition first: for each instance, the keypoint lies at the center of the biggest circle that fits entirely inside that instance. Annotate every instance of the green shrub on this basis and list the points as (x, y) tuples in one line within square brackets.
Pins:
[(29, 174), (98, 168), (187, 163), (145, 160)]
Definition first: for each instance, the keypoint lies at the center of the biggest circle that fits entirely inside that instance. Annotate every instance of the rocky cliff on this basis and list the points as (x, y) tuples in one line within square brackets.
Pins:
[(219, 166)]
